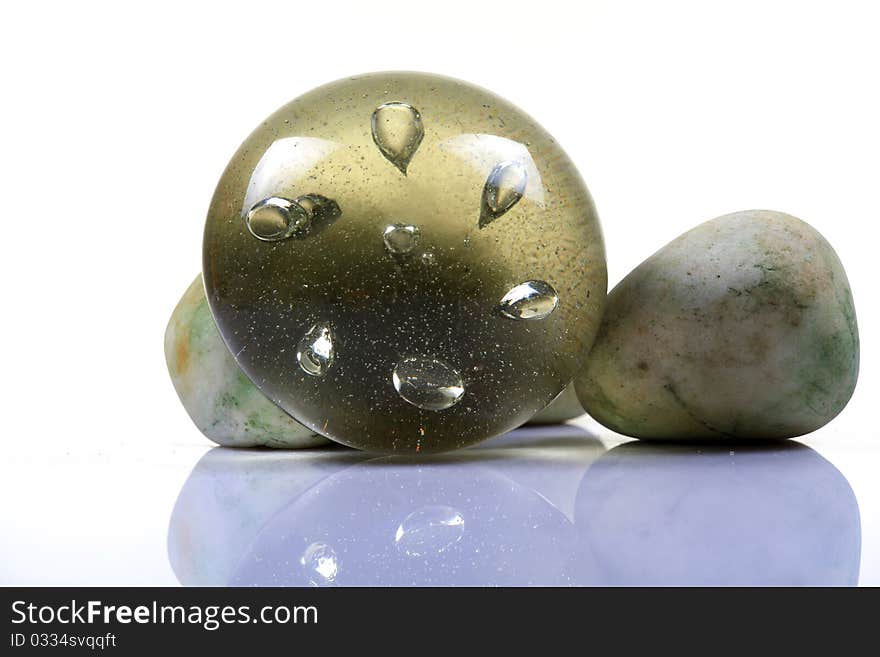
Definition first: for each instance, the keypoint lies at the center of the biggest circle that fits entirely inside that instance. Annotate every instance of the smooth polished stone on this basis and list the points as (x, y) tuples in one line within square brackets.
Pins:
[(771, 514), (219, 398), (565, 407), (405, 263), (742, 328)]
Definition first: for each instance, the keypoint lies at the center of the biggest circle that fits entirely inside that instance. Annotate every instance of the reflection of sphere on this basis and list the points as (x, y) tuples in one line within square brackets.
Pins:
[(389, 523), (227, 499), (678, 515), (497, 513), (404, 262)]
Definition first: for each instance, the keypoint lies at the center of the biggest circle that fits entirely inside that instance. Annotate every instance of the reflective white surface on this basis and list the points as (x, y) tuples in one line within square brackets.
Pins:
[(535, 507), (555, 505)]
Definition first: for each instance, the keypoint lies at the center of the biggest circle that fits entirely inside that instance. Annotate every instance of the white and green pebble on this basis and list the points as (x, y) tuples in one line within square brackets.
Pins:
[(741, 328), (224, 404)]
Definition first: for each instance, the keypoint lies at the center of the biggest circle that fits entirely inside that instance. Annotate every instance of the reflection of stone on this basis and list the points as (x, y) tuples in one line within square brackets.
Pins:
[(498, 513), (700, 515), (227, 499)]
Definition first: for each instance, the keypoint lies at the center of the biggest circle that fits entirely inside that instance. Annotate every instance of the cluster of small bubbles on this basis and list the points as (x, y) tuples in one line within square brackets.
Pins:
[(276, 218), (321, 564), (397, 131), (316, 350), (430, 530), (504, 188), (529, 300), (427, 383), (321, 211), (400, 239)]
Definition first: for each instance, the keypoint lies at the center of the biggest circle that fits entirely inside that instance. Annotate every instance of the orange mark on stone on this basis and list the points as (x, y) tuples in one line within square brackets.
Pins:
[(182, 352)]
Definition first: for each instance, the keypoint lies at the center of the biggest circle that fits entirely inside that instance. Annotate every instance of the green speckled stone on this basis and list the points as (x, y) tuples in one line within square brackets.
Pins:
[(219, 398), (741, 328)]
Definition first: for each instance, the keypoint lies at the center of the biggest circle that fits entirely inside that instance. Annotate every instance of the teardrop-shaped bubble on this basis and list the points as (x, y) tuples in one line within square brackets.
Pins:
[(430, 530), (316, 351), (397, 131), (529, 300), (503, 189), (320, 563), (276, 218), (427, 383), (400, 238)]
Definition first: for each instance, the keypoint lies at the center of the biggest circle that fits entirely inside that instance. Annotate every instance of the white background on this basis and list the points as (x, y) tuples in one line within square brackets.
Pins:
[(116, 122)]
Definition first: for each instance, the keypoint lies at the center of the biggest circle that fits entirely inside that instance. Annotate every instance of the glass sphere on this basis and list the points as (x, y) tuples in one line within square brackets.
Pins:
[(405, 262)]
